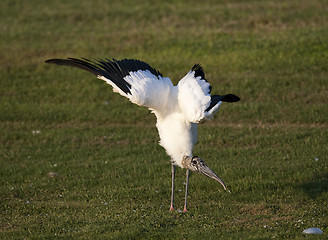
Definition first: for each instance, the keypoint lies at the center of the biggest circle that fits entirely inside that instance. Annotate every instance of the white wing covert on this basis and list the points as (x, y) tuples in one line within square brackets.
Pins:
[(148, 90)]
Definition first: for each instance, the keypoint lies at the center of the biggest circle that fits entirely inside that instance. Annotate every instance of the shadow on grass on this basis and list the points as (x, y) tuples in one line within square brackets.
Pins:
[(316, 187)]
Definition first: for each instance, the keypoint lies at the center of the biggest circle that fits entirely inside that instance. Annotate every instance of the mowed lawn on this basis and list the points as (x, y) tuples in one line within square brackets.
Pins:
[(78, 161)]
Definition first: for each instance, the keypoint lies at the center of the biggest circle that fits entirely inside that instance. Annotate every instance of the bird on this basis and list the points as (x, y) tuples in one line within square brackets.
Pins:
[(178, 108)]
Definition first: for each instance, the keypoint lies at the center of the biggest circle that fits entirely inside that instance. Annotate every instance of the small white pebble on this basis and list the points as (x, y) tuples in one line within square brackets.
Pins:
[(52, 174), (34, 132), (316, 159), (313, 231)]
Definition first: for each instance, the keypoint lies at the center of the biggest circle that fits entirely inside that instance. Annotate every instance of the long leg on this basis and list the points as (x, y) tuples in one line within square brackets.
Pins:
[(186, 195), (172, 193)]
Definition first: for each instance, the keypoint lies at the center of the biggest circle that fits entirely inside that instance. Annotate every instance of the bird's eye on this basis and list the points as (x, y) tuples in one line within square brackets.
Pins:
[(194, 162)]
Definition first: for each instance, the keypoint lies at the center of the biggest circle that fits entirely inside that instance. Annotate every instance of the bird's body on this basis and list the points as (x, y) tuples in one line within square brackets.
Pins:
[(173, 125), (178, 108)]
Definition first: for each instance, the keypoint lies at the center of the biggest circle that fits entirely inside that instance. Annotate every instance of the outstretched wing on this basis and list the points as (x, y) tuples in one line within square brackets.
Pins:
[(134, 79), (195, 99)]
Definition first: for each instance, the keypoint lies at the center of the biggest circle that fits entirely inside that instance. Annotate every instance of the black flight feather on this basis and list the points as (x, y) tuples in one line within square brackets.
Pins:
[(224, 98), (199, 72), (113, 70)]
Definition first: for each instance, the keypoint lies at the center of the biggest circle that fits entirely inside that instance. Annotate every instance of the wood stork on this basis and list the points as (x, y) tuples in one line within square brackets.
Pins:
[(178, 108)]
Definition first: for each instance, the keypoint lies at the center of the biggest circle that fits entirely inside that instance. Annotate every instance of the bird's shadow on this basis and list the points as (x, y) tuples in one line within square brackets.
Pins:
[(316, 187)]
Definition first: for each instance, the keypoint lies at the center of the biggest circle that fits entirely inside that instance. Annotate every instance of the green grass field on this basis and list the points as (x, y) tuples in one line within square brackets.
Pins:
[(112, 180)]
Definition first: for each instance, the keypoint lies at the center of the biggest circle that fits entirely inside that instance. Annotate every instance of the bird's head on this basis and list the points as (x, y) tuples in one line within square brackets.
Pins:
[(197, 164)]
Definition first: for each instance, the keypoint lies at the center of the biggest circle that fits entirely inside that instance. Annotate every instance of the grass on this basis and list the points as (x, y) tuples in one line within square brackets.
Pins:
[(112, 180)]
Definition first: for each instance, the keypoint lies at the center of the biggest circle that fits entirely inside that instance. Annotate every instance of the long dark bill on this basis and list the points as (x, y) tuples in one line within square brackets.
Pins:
[(204, 169)]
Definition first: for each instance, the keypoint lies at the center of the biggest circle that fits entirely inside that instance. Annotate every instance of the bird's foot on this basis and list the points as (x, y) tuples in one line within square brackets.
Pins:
[(185, 210), (171, 209)]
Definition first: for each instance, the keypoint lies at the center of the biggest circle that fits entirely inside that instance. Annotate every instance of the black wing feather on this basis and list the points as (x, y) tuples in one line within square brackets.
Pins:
[(111, 69), (72, 63), (224, 98), (199, 72)]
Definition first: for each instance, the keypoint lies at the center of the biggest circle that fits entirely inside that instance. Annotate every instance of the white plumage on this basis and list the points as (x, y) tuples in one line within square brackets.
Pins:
[(178, 109), (194, 97)]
